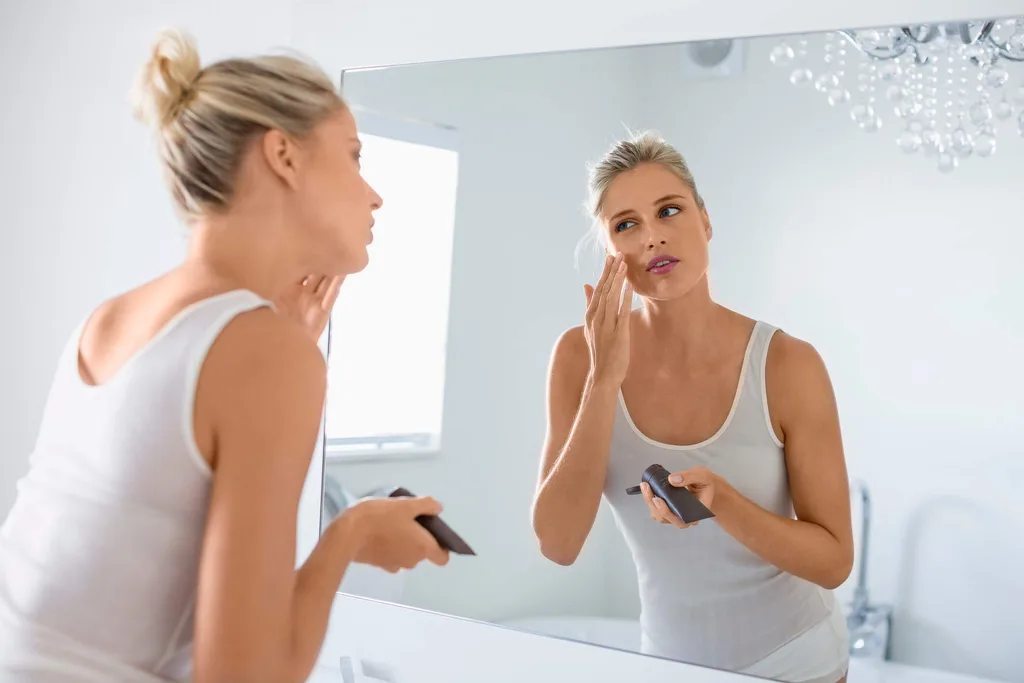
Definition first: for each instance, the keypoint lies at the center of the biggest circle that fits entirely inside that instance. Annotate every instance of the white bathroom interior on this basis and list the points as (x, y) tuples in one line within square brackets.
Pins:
[(902, 270), (833, 219)]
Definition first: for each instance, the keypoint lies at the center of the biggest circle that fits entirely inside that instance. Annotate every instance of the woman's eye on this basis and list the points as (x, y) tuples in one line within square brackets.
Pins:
[(624, 225), (668, 212)]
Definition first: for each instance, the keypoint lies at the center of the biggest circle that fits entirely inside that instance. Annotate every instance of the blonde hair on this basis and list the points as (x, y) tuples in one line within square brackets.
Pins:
[(205, 118), (639, 148)]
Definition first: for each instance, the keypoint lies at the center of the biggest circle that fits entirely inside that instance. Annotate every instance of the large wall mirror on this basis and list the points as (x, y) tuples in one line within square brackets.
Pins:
[(857, 193)]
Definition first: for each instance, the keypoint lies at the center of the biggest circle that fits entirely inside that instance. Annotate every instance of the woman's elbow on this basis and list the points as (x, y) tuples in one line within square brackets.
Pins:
[(250, 674), (554, 548), (561, 554), (250, 669), (839, 571)]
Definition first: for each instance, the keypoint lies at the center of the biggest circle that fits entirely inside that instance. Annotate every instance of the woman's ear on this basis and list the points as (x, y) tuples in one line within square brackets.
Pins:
[(281, 155), (708, 231)]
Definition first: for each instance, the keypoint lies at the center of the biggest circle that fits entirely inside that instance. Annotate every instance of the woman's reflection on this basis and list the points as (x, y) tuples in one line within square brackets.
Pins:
[(741, 412)]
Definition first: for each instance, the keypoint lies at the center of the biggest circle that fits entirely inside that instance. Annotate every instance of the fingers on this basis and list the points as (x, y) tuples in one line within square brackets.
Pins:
[(319, 284), (606, 287), (660, 511), (594, 298), (625, 308), (645, 489), (330, 292), (439, 556), (678, 479), (424, 505), (433, 552), (607, 271), (588, 292), (667, 516), (614, 293), (697, 476)]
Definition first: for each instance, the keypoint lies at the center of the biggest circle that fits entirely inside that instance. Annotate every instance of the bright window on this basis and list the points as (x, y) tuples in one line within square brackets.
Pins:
[(388, 332)]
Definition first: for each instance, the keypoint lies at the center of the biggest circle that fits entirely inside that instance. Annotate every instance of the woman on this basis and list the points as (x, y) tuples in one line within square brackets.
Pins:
[(742, 413), (154, 537)]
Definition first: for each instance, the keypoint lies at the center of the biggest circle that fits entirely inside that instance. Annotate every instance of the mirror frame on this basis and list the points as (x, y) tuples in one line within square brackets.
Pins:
[(343, 35), (348, 36)]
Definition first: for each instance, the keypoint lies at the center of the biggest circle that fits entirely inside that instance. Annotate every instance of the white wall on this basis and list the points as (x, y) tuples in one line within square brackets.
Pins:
[(85, 212), (904, 278)]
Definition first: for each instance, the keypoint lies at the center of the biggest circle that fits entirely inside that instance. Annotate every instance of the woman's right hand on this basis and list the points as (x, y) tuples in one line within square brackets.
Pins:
[(607, 323), (390, 537)]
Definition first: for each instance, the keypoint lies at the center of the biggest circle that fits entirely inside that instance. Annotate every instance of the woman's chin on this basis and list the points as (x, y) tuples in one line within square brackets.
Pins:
[(358, 260), (666, 291)]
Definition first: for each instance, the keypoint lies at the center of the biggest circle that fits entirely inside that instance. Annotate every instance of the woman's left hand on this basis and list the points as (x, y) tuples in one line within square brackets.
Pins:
[(309, 302), (700, 481)]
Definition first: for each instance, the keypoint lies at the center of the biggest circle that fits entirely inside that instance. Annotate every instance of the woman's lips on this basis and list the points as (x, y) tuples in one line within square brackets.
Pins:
[(661, 265)]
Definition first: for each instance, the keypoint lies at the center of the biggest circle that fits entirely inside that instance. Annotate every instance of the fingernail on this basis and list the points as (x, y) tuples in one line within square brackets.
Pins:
[(676, 479)]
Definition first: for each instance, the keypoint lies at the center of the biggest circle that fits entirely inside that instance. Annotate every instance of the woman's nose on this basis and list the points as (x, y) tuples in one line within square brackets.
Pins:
[(651, 245)]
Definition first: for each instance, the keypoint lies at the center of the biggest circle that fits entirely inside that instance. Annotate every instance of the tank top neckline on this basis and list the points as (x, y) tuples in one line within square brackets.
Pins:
[(141, 352), (744, 369)]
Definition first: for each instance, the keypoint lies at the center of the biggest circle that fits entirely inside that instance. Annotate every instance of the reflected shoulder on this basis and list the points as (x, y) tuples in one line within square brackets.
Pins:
[(795, 373), (571, 344), (570, 358), (792, 354)]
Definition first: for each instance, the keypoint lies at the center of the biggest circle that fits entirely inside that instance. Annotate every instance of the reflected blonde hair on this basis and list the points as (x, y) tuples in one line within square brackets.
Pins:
[(646, 147), (205, 118)]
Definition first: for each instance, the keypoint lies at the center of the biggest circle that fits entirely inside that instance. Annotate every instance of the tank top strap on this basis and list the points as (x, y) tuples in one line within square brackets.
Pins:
[(198, 326), (753, 399), (192, 334)]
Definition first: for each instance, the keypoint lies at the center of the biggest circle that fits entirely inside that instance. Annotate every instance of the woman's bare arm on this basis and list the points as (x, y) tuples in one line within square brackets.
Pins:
[(587, 368), (574, 463), (257, 618), (818, 544)]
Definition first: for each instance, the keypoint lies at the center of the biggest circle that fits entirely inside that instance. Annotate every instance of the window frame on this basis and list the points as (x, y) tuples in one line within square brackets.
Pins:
[(413, 445)]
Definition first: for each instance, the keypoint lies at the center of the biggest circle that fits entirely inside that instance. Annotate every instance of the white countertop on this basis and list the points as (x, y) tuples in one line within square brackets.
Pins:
[(870, 671), (861, 671)]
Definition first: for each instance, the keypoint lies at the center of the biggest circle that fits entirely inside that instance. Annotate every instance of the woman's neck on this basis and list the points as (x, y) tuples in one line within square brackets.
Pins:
[(245, 253), (687, 325)]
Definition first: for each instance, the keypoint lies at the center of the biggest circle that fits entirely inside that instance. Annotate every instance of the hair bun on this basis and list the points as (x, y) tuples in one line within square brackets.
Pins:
[(165, 80)]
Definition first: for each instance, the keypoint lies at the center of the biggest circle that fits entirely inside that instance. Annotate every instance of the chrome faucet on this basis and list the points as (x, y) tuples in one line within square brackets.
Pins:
[(869, 625)]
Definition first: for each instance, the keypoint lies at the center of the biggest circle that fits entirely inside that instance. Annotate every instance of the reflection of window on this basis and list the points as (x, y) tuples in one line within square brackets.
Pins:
[(389, 327)]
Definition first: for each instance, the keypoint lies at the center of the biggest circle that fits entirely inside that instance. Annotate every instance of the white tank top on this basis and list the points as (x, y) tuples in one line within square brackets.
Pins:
[(705, 598), (99, 555)]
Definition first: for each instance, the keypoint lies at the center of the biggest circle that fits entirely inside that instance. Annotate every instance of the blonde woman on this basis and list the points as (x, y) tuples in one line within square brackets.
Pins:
[(153, 538), (741, 412)]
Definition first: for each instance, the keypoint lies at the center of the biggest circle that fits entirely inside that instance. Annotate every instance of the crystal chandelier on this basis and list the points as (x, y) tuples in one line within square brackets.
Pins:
[(947, 87)]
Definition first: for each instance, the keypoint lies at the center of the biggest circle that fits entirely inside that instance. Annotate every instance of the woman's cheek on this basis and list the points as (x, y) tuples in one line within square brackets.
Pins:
[(633, 276)]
